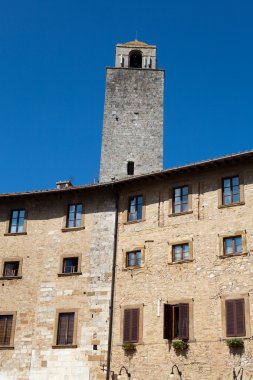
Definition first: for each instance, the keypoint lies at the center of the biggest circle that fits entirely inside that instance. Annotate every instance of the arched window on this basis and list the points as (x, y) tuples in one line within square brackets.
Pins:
[(135, 59)]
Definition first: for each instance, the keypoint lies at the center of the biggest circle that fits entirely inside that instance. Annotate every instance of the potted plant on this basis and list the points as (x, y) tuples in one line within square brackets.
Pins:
[(235, 342), (129, 347), (179, 344)]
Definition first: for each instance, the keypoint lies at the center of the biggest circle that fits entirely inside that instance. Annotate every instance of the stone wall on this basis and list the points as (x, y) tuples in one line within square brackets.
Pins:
[(40, 292), (133, 122), (203, 281)]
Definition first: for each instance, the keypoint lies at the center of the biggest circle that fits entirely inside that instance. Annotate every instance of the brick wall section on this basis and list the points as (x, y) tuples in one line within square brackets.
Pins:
[(135, 132), (40, 292), (205, 280)]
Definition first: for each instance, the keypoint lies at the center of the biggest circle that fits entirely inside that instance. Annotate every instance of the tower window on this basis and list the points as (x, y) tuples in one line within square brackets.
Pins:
[(135, 59), (130, 168)]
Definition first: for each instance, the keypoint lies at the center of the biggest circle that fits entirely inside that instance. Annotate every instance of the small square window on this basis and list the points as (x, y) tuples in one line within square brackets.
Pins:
[(74, 216), (180, 199), (230, 190), (17, 221), (11, 269), (135, 205), (232, 245), (70, 265), (134, 259), (181, 252), (65, 331)]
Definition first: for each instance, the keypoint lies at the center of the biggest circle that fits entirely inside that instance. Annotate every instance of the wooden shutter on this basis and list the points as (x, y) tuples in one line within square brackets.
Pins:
[(62, 327), (131, 325), (240, 318), (235, 318), (70, 330), (183, 321), (5, 329), (167, 322)]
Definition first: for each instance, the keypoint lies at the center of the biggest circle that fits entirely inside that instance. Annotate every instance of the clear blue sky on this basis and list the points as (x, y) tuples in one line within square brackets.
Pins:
[(53, 55)]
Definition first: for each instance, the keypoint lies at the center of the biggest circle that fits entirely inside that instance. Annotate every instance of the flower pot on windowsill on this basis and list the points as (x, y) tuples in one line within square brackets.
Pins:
[(235, 343), (179, 345), (129, 347)]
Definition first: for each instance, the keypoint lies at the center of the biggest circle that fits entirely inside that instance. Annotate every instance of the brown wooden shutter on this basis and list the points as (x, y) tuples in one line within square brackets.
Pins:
[(70, 331), (240, 317), (8, 329), (230, 318), (135, 325), (62, 327), (5, 329), (126, 328), (131, 325), (183, 321), (167, 322)]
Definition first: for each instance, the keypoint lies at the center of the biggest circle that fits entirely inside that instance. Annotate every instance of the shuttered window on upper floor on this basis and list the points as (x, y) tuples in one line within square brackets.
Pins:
[(235, 318), (131, 325), (176, 321)]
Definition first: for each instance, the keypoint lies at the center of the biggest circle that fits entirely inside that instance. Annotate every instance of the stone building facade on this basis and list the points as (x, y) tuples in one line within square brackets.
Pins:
[(147, 273)]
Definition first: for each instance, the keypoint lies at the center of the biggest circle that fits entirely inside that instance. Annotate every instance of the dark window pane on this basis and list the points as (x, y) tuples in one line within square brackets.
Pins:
[(185, 190), (235, 181), (138, 258), (226, 182)]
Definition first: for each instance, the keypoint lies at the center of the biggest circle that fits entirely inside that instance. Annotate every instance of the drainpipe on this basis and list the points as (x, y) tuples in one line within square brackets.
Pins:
[(109, 351)]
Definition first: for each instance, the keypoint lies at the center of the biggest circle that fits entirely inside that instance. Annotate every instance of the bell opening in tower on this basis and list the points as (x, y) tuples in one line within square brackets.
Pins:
[(135, 59)]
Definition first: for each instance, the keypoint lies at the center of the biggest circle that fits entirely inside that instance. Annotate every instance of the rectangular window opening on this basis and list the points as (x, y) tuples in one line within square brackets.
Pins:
[(5, 329), (232, 245), (17, 221), (134, 259), (176, 321), (181, 199), (230, 190), (70, 265), (130, 168), (131, 325), (135, 208), (74, 217), (11, 269), (65, 331)]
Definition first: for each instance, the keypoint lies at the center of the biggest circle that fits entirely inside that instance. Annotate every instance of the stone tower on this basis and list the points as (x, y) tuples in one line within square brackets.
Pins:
[(133, 113)]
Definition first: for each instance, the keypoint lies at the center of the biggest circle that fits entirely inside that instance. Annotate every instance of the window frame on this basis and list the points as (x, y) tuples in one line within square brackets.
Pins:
[(66, 256), (8, 260), (173, 243), (9, 220), (222, 238), (66, 215), (190, 317), (124, 204), (13, 327), (56, 327), (133, 250), (171, 199), (221, 204), (228, 297), (140, 326)]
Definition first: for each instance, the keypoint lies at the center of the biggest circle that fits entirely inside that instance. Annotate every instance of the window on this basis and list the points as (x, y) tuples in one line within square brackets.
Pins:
[(180, 199), (230, 190), (176, 321), (133, 259), (17, 221), (70, 265), (232, 245), (135, 59), (135, 208), (65, 332), (131, 325), (180, 252), (6, 330), (235, 318), (11, 269), (74, 217), (130, 168)]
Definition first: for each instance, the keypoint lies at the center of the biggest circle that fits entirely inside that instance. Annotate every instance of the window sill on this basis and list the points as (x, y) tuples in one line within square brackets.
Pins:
[(246, 337), (125, 269), (233, 255), (10, 278), (232, 204), (67, 229), (181, 262), (134, 221), (15, 233), (69, 274), (180, 213), (65, 346), (6, 347)]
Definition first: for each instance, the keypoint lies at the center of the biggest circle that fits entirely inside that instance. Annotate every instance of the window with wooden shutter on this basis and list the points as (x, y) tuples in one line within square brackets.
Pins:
[(176, 321), (131, 325), (235, 318), (65, 329), (5, 329)]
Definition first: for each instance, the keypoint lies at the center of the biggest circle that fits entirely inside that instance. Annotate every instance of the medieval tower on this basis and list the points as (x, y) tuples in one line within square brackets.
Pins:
[(133, 113)]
